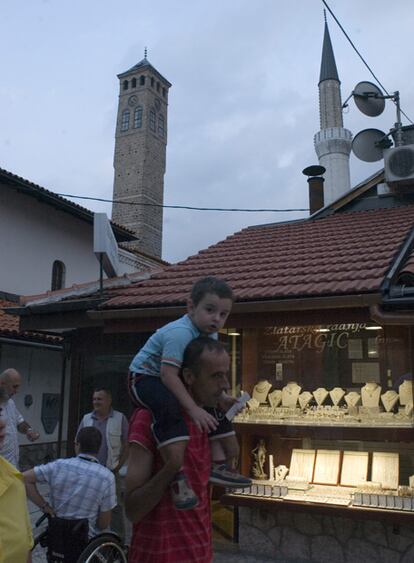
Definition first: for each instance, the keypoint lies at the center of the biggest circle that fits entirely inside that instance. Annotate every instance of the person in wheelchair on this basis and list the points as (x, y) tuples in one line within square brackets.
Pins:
[(81, 495)]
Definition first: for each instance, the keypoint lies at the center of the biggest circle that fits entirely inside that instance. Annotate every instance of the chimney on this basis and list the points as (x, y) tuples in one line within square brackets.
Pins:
[(315, 181)]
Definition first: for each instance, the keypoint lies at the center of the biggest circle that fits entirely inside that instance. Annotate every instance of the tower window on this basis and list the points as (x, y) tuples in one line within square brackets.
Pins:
[(152, 82), (125, 85), (158, 86), (163, 92), (134, 83), (142, 80), (161, 125), (58, 275), (152, 120), (125, 120), (138, 117)]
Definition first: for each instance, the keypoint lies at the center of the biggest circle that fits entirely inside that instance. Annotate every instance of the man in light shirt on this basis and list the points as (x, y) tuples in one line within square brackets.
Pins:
[(11, 381)]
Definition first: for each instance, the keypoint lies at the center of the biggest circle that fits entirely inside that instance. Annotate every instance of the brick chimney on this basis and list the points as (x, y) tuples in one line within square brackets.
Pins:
[(315, 181)]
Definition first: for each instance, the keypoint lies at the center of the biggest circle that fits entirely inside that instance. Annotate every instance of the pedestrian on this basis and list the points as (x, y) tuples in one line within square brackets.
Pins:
[(11, 380), (161, 533), (15, 529), (113, 452), (154, 382), (80, 488)]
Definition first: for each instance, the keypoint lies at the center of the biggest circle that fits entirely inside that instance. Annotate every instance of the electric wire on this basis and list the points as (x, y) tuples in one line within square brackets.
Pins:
[(192, 208), (360, 56)]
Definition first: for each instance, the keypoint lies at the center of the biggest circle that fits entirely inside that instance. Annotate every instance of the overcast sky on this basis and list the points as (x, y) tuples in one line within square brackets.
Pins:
[(243, 107)]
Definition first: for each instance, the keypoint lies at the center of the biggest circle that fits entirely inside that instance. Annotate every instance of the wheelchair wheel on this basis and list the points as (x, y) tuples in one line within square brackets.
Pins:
[(105, 548)]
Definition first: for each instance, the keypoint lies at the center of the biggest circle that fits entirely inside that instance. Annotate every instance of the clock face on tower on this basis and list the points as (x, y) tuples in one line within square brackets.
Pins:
[(132, 100)]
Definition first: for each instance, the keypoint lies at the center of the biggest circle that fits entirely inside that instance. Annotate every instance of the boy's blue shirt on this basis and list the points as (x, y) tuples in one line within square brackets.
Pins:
[(166, 346)]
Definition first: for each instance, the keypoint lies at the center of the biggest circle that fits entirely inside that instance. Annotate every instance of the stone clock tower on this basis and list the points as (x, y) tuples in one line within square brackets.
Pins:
[(139, 160)]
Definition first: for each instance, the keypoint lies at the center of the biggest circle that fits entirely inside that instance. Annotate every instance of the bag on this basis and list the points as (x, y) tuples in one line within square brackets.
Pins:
[(67, 539)]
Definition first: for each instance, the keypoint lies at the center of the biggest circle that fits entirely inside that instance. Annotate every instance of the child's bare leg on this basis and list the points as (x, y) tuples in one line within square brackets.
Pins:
[(182, 494), (173, 453)]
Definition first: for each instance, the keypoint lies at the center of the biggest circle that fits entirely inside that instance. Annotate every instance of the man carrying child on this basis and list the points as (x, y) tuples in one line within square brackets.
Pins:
[(154, 383)]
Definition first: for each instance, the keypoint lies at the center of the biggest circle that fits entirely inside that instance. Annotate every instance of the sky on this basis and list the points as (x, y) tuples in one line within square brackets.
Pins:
[(243, 107)]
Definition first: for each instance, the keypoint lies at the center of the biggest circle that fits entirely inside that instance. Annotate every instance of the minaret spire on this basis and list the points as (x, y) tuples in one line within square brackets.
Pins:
[(333, 142)]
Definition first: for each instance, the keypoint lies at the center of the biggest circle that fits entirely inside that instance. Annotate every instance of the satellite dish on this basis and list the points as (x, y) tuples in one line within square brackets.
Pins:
[(369, 99), (365, 146)]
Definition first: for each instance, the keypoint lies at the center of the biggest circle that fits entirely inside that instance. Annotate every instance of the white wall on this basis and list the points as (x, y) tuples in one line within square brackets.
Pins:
[(41, 370), (32, 236)]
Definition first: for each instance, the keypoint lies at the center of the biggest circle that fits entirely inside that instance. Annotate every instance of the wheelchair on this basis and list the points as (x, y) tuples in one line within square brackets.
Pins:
[(70, 543)]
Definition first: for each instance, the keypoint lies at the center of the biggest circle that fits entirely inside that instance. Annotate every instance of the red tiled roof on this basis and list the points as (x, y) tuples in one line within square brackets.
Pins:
[(8, 322), (342, 254), (9, 327)]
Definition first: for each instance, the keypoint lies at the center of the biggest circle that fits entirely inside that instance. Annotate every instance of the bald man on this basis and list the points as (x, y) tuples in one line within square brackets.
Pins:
[(11, 381)]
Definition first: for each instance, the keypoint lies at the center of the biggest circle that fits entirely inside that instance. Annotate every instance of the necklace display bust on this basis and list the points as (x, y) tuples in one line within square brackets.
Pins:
[(336, 395), (290, 394), (261, 390), (389, 400), (275, 398), (304, 399), (352, 399), (370, 394), (406, 392), (320, 395)]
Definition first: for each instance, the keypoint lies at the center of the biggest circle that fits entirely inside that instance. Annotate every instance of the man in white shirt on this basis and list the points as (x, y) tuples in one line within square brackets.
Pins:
[(80, 487), (11, 380)]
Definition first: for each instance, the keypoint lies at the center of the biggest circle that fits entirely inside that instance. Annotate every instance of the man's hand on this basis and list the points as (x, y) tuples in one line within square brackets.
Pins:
[(47, 509), (203, 420), (226, 401), (32, 435)]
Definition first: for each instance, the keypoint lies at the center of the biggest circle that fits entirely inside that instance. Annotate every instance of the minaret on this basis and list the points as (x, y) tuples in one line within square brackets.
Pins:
[(333, 142), (140, 155)]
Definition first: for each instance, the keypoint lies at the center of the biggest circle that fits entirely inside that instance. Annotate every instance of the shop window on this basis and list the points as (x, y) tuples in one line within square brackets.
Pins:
[(134, 83), (58, 275), (138, 117), (125, 120), (152, 120), (142, 80), (161, 125), (125, 85)]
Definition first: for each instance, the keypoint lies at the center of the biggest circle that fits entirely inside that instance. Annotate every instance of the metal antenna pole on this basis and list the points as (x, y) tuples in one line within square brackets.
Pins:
[(398, 125)]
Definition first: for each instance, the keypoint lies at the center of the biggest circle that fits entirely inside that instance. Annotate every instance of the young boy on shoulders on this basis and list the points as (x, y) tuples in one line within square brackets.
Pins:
[(154, 383)]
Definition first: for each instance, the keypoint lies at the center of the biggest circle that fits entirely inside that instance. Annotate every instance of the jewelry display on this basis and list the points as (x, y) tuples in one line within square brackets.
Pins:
[(304, 399), (405, 391), (253, 404), (271, 467), (352, 399), (354, 468), (385, 469), (389, 400), (290, 394), (259, 458), (327, 464), (261, 391), (275, 398), (370, 394), (336, 395), (302, 464), (280, 472), (320, 395)]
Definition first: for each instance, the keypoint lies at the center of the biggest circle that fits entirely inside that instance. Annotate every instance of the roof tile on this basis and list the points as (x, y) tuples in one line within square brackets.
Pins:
[(344, 253)]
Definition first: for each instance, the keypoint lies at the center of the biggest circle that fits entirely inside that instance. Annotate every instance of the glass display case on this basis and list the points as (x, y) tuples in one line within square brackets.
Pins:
[(330, 418)]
